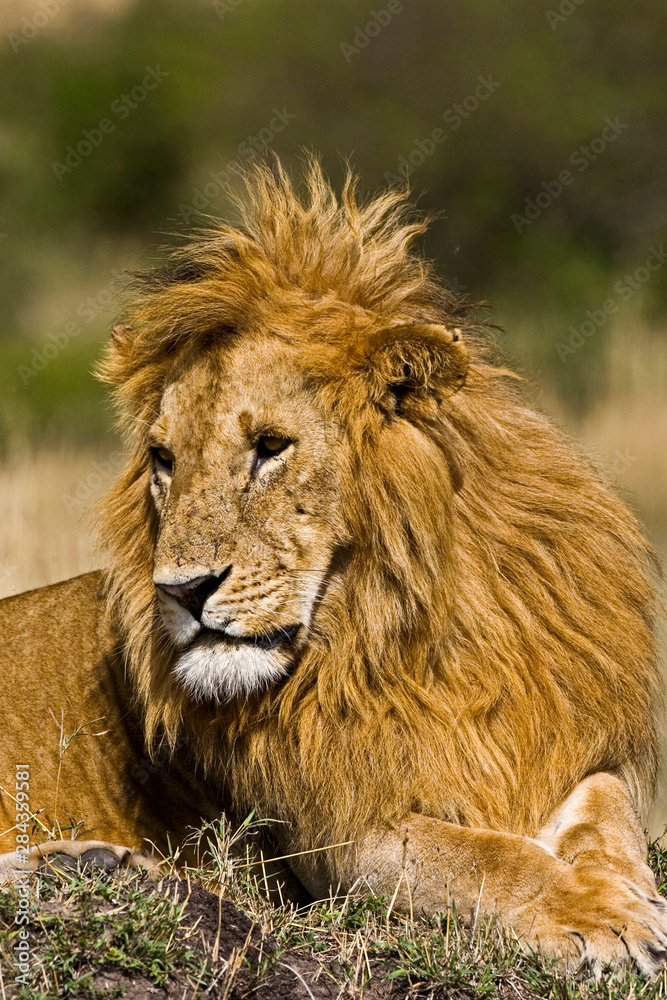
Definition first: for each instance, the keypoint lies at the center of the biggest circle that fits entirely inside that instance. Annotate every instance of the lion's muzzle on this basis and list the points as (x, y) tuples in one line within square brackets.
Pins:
[(232, 637), (193, 594)]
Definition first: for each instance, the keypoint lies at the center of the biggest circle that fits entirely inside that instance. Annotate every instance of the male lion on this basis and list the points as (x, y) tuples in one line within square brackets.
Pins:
[(355, 585)]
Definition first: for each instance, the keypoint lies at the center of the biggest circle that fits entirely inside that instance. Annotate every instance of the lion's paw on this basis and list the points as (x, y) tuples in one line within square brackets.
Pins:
[(69, 856), (602, 919)]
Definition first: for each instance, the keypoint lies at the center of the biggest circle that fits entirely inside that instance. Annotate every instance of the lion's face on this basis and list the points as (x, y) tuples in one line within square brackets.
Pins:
[(244, 480)]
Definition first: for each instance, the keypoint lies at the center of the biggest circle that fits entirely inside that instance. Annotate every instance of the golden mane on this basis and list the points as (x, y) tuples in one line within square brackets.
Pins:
[(482, 625)]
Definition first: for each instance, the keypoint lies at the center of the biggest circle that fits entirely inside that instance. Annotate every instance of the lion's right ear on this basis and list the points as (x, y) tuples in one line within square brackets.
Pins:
[(116, 362), (408, 364), (122, 336)]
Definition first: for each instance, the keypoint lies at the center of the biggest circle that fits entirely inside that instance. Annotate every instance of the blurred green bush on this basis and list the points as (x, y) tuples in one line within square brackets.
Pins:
[(116, 126)]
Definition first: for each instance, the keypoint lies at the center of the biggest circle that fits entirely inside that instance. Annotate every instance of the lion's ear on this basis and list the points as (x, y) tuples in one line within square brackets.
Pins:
[(121, 336), (121, 347), (411, 362)]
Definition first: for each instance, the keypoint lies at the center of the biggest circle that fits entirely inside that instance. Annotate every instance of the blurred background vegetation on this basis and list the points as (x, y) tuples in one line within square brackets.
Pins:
[(120, 118)]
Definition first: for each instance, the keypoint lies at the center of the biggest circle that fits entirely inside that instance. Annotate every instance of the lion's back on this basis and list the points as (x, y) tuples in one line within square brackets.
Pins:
[(33, 619)]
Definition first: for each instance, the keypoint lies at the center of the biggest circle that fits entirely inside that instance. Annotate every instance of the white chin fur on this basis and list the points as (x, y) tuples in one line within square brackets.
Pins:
[(211, 670)]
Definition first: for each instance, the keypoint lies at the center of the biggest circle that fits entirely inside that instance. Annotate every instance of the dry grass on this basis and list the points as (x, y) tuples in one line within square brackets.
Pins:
[(627, 430), (45, 495)]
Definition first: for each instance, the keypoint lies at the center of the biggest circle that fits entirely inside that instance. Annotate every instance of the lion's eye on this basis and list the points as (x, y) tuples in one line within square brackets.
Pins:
[(268, 446), (163, 460)]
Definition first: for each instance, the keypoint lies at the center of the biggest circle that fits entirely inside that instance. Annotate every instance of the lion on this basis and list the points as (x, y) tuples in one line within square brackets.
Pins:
[(354, 584)]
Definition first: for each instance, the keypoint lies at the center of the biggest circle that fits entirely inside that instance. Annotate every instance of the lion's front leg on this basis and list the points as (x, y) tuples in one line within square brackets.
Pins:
[(583, 914), (73, 855), (597, 825)]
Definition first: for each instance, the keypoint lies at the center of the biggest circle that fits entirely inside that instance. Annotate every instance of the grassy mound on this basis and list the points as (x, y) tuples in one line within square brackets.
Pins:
[(92, 935)]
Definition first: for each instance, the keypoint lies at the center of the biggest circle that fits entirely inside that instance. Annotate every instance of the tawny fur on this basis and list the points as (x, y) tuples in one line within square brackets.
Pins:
[(493, 640)]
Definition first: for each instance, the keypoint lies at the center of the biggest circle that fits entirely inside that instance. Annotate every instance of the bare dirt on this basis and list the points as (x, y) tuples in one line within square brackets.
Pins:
[(243, 962)]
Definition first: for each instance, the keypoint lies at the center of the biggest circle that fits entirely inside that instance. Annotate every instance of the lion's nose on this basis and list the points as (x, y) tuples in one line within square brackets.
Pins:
[(193, 594)]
